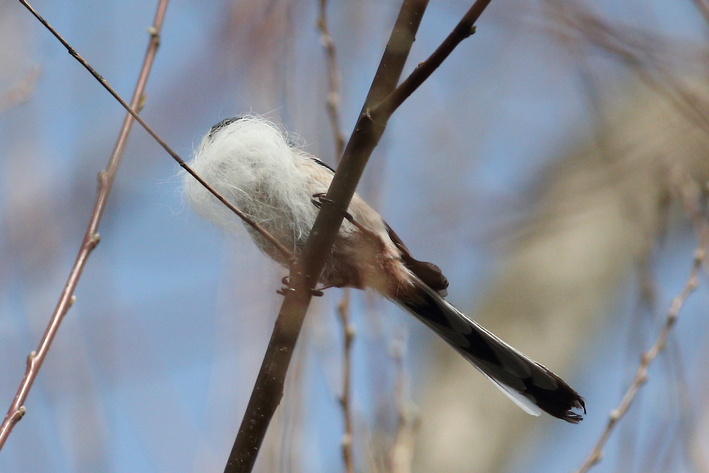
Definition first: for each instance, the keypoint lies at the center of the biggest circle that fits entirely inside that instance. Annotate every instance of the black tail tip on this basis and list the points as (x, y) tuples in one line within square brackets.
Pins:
[(561, 402), (568, 414)]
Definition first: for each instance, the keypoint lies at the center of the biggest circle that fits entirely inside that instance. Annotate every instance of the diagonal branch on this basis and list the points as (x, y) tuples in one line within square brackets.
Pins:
[(648, 357), (173, 154), (306, 271), (343, 307), (633, 49), (333, 78), (464, 29), (91, 237)]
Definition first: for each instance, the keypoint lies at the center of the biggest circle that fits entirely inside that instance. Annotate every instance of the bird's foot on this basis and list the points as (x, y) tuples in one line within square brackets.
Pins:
[(317, 292)]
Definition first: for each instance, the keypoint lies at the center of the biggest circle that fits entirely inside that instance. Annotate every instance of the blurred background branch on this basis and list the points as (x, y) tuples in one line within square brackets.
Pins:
[(343, 307), (91, 238), (641, 376), (543, 172)]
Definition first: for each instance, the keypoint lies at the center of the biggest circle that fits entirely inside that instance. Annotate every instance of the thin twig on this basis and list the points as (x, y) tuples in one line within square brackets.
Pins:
[(173, 154), (464, 29), (348, 334), (343, 307), (333, 79), (369, 129), (401, 453), (638, 54), (649, 356), (305, 272), (91, 237), (268, 389)]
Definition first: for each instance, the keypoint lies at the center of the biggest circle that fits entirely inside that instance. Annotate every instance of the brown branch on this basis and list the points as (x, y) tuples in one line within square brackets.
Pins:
[(464, 29), (305, 272), (401, 453), (157, 138), (348, 334), (333, 79), (648, 357), (639, 54), (91, 237), (369, 129), (343, 307)]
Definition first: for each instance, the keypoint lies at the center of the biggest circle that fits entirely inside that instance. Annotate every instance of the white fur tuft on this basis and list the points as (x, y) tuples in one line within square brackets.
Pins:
[(252, 164)]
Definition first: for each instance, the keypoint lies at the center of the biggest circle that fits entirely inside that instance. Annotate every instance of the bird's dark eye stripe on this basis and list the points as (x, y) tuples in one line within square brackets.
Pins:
[(222, 124)]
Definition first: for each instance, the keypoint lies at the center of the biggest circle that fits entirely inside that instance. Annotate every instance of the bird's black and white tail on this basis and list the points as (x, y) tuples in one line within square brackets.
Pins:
[(530, 385)]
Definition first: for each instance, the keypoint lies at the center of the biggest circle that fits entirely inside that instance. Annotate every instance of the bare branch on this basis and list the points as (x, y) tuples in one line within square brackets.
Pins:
[(464, 29), (648, 357), (173, 154), (348, 334), (305, 272), (343, 307), (401, 453), (637, 52), (333, 79), (268, 389), (91, 237)]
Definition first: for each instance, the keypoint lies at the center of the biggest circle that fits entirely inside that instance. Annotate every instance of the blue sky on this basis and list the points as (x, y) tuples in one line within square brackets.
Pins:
[(154, 364)]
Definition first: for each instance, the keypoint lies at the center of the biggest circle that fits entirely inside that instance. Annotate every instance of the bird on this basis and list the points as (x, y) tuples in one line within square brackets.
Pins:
[(261, 169)]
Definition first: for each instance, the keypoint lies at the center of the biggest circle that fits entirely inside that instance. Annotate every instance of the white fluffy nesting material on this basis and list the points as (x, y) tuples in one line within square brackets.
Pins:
[(250, 161)]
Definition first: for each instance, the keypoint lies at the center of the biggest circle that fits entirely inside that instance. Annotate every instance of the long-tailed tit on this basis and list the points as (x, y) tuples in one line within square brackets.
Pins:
[(254, 165)]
